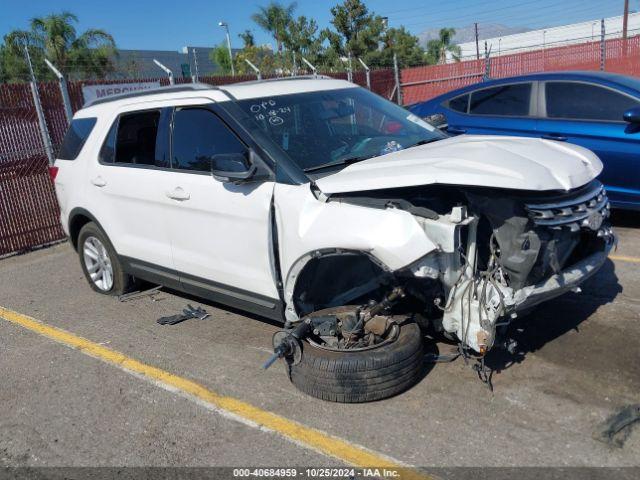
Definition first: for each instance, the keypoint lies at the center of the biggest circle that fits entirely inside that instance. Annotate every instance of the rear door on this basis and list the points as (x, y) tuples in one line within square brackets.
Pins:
[(498, 110), (127, 187), (590, 115)]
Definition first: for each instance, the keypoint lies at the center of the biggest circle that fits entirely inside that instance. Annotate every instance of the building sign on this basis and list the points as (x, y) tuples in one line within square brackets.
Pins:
[(94, 92)]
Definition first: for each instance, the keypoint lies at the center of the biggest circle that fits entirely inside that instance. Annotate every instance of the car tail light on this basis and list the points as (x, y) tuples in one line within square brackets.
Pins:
[(53, 172)]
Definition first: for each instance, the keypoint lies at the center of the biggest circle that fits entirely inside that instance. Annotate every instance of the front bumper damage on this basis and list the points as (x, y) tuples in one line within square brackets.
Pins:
[(563, 282), (533, 255), (478, 305)]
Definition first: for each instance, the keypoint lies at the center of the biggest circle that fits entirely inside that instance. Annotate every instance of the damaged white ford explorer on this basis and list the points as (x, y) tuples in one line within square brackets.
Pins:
[(320, 204)]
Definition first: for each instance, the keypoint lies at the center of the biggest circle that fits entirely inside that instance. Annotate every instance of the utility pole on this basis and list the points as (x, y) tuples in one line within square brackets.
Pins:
[(625, 22), (477, 45), (603, 46), (195, 63), (396, 74), (225, 25)]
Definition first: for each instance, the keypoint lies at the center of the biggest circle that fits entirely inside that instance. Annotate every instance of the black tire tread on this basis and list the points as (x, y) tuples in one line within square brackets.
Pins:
[(364, 376)]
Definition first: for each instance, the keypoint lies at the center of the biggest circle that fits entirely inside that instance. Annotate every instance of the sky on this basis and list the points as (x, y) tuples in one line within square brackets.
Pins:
[(170, 25)]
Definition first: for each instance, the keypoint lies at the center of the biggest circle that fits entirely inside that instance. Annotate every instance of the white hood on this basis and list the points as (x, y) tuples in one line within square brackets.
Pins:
[(486, 161)]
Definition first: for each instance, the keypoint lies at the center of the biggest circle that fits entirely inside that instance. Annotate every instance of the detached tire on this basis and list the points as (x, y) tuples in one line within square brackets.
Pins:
[(361, 376)]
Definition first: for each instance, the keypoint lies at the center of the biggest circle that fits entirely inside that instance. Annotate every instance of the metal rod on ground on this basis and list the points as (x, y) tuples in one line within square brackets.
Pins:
[(63, 90), (167, 71), (367, 72), (44, 132), (396, 73), (255, 69), (313, 69), (603, 45)]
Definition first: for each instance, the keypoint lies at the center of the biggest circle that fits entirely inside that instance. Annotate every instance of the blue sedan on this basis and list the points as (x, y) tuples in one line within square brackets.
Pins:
[(597, 110)]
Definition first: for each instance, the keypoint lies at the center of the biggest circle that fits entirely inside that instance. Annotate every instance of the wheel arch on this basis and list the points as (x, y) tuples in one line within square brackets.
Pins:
[(330, 277), (78, 218)]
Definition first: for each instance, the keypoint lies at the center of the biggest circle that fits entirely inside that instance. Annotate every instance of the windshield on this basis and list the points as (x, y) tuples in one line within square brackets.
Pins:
[(328, 129)]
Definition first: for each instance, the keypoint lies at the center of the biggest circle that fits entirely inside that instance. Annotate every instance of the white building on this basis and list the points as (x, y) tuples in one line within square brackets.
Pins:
[(552, 37)]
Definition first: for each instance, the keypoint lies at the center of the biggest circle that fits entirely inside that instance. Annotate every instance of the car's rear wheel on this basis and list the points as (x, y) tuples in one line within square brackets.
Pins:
[(100, 264)]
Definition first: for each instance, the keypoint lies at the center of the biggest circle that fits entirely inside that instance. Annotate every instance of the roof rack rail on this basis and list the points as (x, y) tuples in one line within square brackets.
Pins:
[(279, 79), (186, 87)]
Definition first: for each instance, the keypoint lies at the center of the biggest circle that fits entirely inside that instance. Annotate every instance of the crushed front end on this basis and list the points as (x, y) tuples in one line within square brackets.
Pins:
[(520, 249), (499, 253)]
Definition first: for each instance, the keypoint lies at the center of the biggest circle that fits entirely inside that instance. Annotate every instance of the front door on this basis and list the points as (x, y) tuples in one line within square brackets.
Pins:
[(220, 232)]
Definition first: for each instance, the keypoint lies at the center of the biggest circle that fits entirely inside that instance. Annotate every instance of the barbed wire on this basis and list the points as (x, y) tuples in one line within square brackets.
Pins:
[(597, 38)]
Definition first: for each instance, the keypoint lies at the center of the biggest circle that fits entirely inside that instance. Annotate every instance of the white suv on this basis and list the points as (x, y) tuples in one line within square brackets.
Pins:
[(314, 199)]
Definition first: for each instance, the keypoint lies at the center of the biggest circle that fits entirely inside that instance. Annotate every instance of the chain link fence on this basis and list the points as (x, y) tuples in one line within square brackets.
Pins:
[(29, 213), (614, 55), (28, 207)]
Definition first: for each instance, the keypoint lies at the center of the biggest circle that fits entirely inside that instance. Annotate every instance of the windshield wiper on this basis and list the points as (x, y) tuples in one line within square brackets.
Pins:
[(342, 161)]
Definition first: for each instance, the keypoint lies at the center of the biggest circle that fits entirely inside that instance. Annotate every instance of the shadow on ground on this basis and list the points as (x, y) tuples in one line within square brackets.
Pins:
[(625, 218), (552, 320)]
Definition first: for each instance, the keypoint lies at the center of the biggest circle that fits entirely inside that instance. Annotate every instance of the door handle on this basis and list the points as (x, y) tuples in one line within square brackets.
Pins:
[(456, 131), (178, 194), (554, 136), (99, 182)]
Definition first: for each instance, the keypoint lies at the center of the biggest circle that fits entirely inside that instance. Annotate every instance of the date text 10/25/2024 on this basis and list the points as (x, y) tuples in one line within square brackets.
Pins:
[(343, 473)]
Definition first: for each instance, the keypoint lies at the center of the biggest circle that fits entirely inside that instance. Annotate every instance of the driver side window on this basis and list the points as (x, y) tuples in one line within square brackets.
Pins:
[(198, 135)]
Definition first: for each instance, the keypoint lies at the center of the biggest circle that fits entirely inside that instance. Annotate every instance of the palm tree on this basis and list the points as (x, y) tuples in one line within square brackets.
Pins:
[(437, 49), (275, 19), (54, 37)]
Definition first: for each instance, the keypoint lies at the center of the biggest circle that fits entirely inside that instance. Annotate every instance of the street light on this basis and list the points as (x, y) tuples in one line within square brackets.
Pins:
[(226, 29)]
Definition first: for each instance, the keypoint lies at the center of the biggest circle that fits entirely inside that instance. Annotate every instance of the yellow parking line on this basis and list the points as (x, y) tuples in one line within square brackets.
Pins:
[(623, 258), (308, 437)]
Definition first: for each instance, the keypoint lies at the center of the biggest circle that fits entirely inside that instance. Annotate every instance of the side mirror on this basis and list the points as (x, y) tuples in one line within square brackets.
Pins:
[(632, 115), (231, 167)]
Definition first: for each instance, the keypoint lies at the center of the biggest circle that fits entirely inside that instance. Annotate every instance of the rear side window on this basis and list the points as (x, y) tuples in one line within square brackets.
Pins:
[(108, 150), (459, 104), (583, 101), (505, 100), (75, 138), (198, 135), (136, 138)]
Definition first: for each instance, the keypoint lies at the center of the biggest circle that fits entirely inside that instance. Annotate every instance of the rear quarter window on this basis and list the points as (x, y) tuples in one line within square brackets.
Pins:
[(459, 104), (75, 138), (503, 100)]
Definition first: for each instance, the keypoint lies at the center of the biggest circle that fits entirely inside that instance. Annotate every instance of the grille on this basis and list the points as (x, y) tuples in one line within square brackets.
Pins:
[(587, 209)]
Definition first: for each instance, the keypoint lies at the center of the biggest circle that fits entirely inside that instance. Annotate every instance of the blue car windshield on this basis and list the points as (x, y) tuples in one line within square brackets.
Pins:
[(329, 129)]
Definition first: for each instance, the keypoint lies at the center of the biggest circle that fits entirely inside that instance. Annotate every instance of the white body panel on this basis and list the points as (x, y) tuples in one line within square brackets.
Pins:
[(306, 224), (485, 161), (222, 232), (133, 209)]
